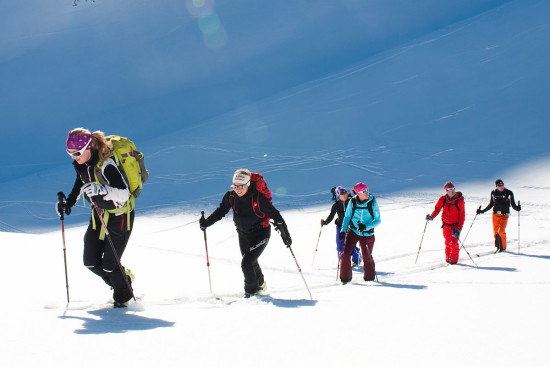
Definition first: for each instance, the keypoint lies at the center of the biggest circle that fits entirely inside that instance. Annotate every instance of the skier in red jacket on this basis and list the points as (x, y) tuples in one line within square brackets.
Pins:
[(453, 217)]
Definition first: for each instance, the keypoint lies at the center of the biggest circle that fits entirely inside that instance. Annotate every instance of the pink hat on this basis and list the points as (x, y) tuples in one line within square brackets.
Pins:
[(360, 187), (79, 141)]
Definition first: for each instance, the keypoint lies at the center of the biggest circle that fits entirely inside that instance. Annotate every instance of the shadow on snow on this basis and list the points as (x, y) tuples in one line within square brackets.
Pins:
[(496, 268), (116, 321)]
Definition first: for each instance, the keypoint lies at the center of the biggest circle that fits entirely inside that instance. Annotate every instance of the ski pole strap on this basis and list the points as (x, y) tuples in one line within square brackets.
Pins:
[(127, 209), (105, 220)]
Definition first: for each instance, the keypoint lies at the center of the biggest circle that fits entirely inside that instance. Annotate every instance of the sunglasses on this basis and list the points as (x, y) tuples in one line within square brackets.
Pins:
[(450, 188), (363, 192), (238, 187), (78, 153)]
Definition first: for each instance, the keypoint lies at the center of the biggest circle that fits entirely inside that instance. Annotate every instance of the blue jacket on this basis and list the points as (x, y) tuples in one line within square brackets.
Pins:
[(362, 215)]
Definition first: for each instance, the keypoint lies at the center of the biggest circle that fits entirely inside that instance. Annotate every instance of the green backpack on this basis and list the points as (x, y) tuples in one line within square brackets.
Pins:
[(130, 162), (131, 165)]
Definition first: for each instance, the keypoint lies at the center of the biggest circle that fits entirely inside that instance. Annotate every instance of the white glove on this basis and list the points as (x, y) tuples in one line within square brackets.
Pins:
[(93, 189)]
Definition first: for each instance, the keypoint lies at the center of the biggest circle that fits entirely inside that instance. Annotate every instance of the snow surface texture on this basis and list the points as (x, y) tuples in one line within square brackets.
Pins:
[(495, 313), (401, 96)]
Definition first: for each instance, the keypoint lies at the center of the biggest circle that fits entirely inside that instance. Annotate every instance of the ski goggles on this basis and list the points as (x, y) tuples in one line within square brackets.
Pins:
[(363, 192), (239, 187), (450, 188), (78, 153)]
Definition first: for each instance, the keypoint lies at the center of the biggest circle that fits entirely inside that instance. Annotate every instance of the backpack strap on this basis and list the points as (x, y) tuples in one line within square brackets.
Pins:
[(445, 202), (126, 208), (369, 206), (255, 206), (354, 206)]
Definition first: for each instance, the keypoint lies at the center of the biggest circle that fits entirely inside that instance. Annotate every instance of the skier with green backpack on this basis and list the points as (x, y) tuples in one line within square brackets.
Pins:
[(110, 172)]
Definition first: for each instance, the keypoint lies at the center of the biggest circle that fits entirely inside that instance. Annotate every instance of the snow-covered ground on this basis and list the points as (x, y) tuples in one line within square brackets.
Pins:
[(491, 310)]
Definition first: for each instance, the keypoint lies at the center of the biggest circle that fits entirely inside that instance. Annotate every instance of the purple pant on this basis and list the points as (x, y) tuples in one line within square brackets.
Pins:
[(368, 263), (356, 258)]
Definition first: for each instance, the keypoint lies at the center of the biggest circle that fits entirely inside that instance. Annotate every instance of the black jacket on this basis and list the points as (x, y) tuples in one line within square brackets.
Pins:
[(244, 217), (339, 207), (500, 202), (85, 173)]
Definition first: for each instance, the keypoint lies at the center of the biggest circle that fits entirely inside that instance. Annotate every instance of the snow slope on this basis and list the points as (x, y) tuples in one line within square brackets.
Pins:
[(493, 312), (464, 102), (424, 93), (174, 63)]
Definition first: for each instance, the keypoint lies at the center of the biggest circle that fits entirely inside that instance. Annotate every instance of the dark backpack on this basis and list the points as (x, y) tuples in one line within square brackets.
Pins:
[(354, 206), (369, 206), (258, 185)]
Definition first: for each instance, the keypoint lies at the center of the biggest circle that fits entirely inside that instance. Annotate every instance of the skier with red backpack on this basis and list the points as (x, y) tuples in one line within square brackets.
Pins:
[(250, 200), (453, 216)]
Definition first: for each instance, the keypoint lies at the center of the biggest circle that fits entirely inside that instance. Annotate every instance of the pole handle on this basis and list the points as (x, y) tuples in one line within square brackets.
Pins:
[(62, 199), (203, 229)]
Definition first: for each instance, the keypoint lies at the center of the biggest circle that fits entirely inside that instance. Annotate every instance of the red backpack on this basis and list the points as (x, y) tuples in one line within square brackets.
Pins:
[(258, 181)]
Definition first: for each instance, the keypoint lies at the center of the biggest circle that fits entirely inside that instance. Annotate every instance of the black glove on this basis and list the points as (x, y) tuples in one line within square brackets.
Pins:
[(283, 230), (204, 223), (479, 211), (429, 218), (519, 207), (323, 222), (62, 207), (341, 235), (456, 232), (361, 227)]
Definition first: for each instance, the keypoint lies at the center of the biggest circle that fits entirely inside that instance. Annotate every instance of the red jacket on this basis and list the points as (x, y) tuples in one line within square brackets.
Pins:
[(453, 210)]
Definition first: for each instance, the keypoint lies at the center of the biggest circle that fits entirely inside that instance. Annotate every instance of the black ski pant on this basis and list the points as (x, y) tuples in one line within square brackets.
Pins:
[(252, 245), (99, 257)]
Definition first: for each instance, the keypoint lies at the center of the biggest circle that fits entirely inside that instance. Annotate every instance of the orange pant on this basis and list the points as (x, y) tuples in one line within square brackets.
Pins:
[(499, 227)]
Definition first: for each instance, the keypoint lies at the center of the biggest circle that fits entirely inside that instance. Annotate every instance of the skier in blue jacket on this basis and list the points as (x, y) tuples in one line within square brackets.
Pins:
[(339, 208), (362, 215)]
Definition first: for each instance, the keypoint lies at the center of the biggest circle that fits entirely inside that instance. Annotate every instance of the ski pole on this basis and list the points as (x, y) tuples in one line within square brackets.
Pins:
[(318, 238), (475, 216), (300, 270), (338, 267), (117, 258), (207, 259), (462, 246), (339, 257), (62, 199), (518, 230), (422, 239)]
